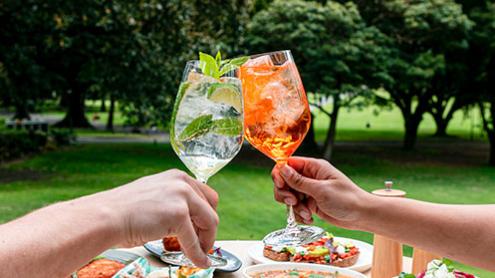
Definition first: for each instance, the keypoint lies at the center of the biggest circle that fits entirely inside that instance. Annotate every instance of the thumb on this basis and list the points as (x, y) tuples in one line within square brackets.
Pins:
[(299, 182)]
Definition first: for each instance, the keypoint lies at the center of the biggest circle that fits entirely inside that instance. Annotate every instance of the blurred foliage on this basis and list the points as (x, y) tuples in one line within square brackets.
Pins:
[(428, 56)]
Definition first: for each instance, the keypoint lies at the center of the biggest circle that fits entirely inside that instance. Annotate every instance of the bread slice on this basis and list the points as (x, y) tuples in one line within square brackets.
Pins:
[(347, 262), (269, 253)]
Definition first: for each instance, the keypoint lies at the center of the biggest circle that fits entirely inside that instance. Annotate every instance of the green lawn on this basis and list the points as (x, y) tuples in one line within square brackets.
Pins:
[(388, 125), (246, 209)]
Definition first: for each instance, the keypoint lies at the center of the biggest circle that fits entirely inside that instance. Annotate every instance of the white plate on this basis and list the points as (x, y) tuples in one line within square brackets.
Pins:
[(300, 266), (255, 252)]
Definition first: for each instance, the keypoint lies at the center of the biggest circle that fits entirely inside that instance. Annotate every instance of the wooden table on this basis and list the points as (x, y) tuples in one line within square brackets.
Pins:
[(238, 248)]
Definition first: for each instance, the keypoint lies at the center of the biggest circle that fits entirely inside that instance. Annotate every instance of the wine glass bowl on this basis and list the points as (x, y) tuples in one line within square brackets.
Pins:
[(277, 115), (207, 122)]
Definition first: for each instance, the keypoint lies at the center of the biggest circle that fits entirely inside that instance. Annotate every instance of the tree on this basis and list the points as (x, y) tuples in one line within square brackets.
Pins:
[(422, 32), (483, 39), (113, 48), (24, 80), (337, 54)]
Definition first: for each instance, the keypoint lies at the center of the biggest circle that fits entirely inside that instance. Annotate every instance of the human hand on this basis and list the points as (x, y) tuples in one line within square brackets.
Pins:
[(168, 203), (326, 191)]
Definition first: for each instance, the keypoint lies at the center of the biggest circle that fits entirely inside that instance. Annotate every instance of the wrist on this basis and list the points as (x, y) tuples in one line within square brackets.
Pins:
[(102, 215), (368, 208)]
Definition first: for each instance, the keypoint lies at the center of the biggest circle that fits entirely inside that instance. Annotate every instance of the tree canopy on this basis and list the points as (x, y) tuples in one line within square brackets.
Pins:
[(338, 56)]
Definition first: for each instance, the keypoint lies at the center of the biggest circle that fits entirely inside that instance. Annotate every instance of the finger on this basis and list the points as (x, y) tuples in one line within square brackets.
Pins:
[(205, 220), (300, 219), (314, 168), (301, 183), (208, 193), (302, 210), (189, 243), (278, 181), (312, 206), (284, 196)]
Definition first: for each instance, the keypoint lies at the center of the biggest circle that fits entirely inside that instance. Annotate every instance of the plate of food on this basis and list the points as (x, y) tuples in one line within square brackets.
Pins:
[(329, 250), (296, 270), (171, 244), (106, 265)]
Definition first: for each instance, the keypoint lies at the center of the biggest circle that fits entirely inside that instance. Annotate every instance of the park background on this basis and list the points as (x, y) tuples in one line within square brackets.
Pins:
[(399, 90)]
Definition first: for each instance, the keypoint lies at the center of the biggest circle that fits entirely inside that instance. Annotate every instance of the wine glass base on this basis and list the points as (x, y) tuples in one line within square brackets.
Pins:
[(178, 258), (295, 236)]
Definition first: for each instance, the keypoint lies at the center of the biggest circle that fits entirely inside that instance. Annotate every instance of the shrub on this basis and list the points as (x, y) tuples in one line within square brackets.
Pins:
[(62, 136), (16, 143)]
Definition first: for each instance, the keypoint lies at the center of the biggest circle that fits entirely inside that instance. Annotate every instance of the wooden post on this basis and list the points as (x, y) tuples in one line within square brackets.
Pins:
[(421, 258)]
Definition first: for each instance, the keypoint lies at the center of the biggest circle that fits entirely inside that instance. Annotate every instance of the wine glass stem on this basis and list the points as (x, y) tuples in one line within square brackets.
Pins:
[(291, 218)]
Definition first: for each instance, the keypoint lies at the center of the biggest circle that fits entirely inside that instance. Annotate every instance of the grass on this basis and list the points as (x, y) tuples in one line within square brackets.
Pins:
[(388, 125), (246, 209)]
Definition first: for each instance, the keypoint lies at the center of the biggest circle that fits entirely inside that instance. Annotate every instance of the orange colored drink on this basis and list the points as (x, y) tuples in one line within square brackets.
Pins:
[(276, 110)]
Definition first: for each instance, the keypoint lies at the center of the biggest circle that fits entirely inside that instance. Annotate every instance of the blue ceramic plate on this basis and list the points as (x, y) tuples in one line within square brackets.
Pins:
[(233, 263)]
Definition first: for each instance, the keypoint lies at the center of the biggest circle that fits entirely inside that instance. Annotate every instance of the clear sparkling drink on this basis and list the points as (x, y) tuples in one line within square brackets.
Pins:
[(207, 123)]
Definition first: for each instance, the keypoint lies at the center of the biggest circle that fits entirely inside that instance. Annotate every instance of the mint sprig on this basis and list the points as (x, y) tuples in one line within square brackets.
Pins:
[(215, 67)]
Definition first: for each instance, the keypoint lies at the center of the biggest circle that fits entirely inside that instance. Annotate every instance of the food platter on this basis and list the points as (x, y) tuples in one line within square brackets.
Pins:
[(363, 263)]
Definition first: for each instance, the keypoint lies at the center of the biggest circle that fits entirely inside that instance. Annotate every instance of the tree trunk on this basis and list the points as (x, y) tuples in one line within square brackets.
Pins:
[(441, 125), (442, 122), (103, 107), (486, 118), (331, 132), (491, 133), (411, 132), (491, 160), (75, 116), (309, 145), (110, 113), (21, 112)]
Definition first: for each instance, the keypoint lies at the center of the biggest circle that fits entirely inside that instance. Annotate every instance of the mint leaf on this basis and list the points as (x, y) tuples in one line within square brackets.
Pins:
[(208, 65), (218, 59), (215, 67), (239, 61), (449, 264), (180, 94), (228, 127), (227, 68), (197, 127)]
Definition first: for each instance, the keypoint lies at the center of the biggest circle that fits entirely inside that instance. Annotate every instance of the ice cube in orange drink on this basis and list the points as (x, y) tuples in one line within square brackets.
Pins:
[(276, 112)]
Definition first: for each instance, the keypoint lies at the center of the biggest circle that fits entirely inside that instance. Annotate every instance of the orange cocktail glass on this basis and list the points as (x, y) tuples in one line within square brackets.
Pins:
[(276, 120)]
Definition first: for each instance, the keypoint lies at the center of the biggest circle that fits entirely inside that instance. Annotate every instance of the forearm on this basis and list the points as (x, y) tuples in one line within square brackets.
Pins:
[(461, 232), (57, 239)]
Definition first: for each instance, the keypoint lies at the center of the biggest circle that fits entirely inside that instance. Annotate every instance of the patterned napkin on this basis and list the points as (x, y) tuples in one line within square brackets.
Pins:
[(141, 268)]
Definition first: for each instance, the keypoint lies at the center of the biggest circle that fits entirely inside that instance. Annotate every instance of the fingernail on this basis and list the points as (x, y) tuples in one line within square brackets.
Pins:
[(285, 171), (290, 201), (304, 214)]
